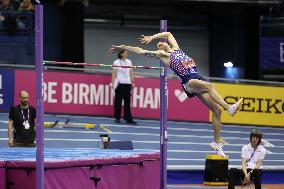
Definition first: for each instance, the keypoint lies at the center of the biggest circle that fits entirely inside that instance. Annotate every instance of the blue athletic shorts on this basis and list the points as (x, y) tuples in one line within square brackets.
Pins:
[(189, 77)]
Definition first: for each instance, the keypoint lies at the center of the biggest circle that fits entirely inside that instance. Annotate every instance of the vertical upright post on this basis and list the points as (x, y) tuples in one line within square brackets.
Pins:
[(260, 75), (39, 97), (163, 116)]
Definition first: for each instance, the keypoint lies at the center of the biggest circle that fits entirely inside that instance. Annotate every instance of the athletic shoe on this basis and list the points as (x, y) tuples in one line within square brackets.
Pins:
[(218, 148), (234, 108)]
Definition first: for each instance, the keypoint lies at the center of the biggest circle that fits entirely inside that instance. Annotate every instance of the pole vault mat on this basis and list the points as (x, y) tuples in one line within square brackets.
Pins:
[(80, 168)]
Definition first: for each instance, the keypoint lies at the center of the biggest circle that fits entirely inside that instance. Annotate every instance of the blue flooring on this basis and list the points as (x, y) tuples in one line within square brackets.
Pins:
[(187, 146)]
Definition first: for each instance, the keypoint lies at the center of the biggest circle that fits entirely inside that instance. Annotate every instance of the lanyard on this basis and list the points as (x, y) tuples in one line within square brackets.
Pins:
[(252, 155), (24, 115), (123, 69)]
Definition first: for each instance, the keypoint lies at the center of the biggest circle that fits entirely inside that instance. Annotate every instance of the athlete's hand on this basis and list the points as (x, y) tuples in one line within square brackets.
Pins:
[(115, 48), (145, 39)]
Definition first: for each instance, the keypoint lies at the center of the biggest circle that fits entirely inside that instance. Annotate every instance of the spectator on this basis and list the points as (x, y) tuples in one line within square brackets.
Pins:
[(7, 6), (22, 123), (8, 21), (26, 5), (252, 156), (122, 81)]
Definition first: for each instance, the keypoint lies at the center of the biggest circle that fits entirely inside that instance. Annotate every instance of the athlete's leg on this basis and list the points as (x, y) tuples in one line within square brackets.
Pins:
[(216, 114), (216, 121), (199, 87)]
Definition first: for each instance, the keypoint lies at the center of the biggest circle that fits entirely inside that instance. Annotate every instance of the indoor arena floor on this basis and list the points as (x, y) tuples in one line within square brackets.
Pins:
[(188, 143)]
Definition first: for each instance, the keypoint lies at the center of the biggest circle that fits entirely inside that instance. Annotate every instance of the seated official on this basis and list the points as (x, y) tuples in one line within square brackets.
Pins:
[(252, 156)]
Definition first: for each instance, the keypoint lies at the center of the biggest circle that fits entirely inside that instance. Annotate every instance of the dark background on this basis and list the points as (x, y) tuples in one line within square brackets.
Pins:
[(233, 25)]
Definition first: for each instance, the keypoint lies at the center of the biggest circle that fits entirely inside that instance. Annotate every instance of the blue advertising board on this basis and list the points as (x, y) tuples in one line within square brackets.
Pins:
[(271, 53), (6, 89)]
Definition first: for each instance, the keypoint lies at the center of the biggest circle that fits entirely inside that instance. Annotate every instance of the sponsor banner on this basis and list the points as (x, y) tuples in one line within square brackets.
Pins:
[(272, 53), (6, 89), (90, 94), (263, 105)]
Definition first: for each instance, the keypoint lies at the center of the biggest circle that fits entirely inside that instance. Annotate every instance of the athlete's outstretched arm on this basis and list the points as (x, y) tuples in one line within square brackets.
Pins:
[(172, 41), (136, 50)]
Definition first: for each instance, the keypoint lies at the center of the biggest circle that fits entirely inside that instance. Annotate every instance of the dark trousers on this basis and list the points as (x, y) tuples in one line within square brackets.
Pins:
[(123, 91), (235, 175)]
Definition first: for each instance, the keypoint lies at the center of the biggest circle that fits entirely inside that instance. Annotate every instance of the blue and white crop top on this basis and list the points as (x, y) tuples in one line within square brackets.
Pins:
[(182, 64)]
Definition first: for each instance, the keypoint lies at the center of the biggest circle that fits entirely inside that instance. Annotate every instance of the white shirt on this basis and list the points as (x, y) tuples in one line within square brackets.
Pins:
[(123, 74), (252, 156)]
